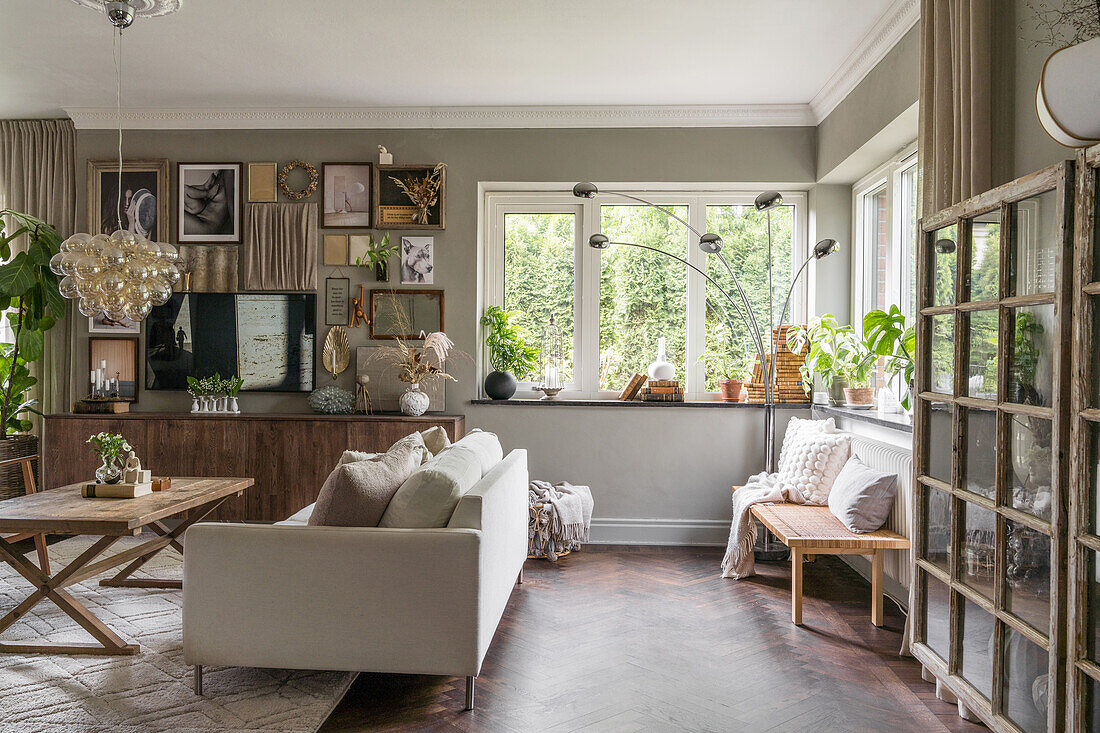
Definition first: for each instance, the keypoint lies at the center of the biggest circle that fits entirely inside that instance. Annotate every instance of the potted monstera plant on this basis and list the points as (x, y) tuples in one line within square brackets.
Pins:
[(511, 356), (887, 335), (29, 295)]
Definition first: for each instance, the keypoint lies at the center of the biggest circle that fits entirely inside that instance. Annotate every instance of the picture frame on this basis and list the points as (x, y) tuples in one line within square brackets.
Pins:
[(336, 250), (423, 311), (392, 207), (347, 195), (101, 324), (337, 301), (144, 197), (121, 358), (417, 260), (358, 246), (262, 185), (209, 203)]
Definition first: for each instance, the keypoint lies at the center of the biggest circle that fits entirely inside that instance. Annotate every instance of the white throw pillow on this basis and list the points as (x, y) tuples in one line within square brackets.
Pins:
[(486, 446), (812, 457), (429, 496), (862, 497)]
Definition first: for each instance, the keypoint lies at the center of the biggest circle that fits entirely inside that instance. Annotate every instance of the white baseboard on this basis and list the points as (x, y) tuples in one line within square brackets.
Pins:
[(613, 531)]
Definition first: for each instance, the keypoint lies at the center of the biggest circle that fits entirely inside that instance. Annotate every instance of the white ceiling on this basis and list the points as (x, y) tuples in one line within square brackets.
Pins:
[(778, 57)]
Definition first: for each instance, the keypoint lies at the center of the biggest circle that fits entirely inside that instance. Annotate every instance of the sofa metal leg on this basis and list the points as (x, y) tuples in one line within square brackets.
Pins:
[(470, 693), (198, 679), (520, 581)]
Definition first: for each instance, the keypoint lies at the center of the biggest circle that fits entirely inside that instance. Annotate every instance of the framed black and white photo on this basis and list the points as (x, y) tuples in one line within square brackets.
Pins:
[(142, 207), (346, 194), (209, 203), (103, 325), (417, 260)]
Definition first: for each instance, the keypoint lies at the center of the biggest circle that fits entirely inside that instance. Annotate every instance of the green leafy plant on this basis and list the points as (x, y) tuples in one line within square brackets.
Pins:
[(507, 342), (378, 253), (29, 292), (857, 364), (887, 334), (728, 364), (1025, 358), (109, 446), (233, 386), (833, 349)]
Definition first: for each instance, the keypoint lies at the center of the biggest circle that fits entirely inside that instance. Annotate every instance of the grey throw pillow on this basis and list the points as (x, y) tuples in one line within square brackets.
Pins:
[(862, 497), (356, 494)]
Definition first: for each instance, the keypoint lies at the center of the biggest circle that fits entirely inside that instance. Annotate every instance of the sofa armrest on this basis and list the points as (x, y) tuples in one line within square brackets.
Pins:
[(336, 598)]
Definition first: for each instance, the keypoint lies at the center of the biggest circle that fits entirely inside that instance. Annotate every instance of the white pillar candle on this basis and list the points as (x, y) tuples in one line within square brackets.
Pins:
[(92, 378)]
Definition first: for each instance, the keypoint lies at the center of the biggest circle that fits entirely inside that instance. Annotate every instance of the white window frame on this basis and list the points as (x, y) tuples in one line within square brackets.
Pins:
[(500, 199)]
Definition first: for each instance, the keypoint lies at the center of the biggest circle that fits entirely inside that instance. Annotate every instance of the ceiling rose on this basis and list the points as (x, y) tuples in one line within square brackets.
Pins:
[(141, 8)]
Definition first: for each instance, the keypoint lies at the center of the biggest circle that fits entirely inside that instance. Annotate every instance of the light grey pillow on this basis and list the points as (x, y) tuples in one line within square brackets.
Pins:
[(356, 494), (429, 497), (486, 446), (862, 497)]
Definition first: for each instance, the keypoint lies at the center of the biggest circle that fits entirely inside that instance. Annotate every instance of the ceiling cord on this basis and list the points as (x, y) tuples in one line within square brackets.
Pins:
[(116, 54)]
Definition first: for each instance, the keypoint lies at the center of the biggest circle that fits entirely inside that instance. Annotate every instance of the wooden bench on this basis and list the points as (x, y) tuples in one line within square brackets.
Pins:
[(814, 530)]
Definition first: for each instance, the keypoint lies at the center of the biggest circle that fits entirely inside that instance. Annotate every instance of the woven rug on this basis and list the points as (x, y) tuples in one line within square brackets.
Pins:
[(152, 690)]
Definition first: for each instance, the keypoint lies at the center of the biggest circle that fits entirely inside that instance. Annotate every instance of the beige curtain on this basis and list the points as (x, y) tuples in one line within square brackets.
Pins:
[(280, 247), (955, 120), (38, 177)]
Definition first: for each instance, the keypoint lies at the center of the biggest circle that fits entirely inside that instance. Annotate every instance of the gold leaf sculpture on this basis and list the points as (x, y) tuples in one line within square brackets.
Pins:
[(336, 354)]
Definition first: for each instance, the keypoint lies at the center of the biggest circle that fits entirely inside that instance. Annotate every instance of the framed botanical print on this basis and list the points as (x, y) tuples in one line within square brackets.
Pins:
[(139, 205), (208, 202), (410, 196), (346, 195)]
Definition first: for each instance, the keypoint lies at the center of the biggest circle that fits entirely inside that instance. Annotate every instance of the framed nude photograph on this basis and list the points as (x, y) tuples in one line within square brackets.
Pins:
[(140, 204), (208, 197)]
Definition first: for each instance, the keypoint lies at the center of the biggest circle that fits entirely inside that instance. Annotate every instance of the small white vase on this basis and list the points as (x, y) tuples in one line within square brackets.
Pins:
[(233, 406), (194, 404), (413, 401), (223, 404), (206, 404), (661, 369)]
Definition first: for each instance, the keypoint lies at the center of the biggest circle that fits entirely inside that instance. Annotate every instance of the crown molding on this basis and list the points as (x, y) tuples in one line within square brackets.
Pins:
[(885, 33), (327, 118)]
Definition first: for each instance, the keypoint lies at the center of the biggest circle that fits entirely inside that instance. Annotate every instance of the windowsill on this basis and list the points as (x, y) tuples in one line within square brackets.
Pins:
[(893, 421), (632, 403)]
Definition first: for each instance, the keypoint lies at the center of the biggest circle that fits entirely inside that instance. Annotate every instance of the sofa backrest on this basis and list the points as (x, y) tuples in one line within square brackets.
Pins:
[(510, 474)]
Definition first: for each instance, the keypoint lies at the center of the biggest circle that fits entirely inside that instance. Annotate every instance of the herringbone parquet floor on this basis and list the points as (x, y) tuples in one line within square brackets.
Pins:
[(653, 639)]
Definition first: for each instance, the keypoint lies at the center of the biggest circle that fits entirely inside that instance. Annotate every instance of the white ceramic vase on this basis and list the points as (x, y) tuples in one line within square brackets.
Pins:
[(233, 406), (194, 404), (414, 402), (661, 369)]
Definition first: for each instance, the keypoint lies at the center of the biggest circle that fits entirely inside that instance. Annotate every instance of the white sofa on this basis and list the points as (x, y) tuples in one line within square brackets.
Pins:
[(372, 599)]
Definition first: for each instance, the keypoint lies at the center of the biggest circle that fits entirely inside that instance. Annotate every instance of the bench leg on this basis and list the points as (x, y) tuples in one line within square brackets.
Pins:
[(796, 586), (876, 588)]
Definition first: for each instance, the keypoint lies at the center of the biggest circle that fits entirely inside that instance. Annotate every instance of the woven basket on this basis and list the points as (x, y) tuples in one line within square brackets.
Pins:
[(536, 550), (11, 476)]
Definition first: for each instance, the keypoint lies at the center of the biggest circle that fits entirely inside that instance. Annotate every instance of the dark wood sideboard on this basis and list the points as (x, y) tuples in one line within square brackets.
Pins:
[(289, 456)]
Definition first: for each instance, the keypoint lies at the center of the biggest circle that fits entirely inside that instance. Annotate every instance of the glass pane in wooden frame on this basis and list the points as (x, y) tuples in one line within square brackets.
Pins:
[(1031, 367), (985, 250), (941, 423), (980, 431), (982, 359), (1025, 681), (977, 555), (1093, 392), (976, 649), (1092, 519), (1091, 705), (1030, 465), (936, 620), (1036, 244), (1027, 575), (945, 258), (937, 533), (942, 354), (1092, 610)]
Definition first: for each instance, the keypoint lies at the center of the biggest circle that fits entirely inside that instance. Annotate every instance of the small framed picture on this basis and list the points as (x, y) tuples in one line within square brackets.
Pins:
[(336, 249), (410, 196), (346, 195), (358, 246), (101, 324), (142, 207), (209, 203), (262, 186), (403, 314), (115, 362), (337, 305), (417, 260)]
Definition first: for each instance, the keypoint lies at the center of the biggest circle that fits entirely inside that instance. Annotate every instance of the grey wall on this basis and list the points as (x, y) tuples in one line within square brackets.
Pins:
[(831, 216), (643, 463)]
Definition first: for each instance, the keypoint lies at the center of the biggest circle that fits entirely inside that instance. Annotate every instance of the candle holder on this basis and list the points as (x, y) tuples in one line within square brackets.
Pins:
[(551, 360)]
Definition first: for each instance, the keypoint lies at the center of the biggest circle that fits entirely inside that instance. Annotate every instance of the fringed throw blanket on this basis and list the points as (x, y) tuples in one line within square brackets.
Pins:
[(760, 489), (560, 517)]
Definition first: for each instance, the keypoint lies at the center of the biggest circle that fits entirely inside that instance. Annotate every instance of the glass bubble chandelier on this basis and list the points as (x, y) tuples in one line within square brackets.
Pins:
[(121, 275)]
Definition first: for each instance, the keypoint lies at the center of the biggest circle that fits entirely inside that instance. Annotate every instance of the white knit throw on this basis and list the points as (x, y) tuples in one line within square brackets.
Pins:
[(759, 489)]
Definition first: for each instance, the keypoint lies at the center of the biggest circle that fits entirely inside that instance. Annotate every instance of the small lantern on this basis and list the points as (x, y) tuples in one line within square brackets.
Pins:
[(551, 358)]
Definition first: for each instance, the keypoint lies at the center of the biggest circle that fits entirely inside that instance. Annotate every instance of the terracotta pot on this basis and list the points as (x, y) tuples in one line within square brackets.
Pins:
[(11, 476), (730, 389), (859, 395)]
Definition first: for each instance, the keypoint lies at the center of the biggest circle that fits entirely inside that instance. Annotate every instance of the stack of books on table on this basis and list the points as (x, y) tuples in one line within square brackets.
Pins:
[(662, 390), (788, 387), (116, 491)]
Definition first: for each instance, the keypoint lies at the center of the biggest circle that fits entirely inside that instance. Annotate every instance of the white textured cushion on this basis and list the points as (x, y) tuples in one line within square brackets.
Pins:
[(813, 454), (862, 497), (429, 496), (351, 456), (486, 446)]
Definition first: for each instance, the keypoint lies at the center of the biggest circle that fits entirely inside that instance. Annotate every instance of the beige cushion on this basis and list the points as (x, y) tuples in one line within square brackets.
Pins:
[(436, 440), (429, 496), (351, 456), (486, 446), (356, 494)]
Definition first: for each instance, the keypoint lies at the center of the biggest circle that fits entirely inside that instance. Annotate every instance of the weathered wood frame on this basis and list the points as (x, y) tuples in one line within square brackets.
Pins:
[(1058, 178), (1085, 416)]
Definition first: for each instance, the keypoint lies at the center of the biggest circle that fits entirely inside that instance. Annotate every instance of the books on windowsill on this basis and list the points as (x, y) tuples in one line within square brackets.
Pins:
[(662, 390), (115, 491), (630, 391)]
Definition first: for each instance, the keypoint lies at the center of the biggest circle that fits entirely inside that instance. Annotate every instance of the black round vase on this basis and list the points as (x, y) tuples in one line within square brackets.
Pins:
[(500, 385)]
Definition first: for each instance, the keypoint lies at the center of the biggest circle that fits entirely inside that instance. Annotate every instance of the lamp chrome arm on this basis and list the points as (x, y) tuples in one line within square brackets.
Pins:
[(660, 208)]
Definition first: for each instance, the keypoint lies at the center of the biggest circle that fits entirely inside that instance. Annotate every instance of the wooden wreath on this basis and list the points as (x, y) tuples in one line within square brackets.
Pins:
[(305, 192)]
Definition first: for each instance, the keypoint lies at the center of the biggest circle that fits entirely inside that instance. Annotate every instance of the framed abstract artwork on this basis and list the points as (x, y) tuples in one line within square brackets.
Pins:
[(140, 205), (346, 195), (208, 202)]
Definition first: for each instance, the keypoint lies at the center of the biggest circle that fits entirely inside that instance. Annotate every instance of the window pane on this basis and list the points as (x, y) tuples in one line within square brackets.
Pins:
[(1027, 572), (538, 275), (643, 295), (1031, 372), (985, 241), (977, 647), (1092, 616), (982, 371), (1031, 465), (937, 507), (1035, 253), (978, 554), (1092, 522), (943, 354), (944, 259), (937, 616), (981, 451), (876, 240), (940, 430), (909, 233), (744, 232), (1025, 682)]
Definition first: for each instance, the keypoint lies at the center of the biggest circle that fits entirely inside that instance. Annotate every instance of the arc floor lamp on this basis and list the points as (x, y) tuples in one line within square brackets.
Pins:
[(711, 244)]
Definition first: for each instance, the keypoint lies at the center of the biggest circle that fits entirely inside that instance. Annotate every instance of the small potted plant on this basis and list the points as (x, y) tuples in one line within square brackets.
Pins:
[(829, 343), (857, 365), (194, 388), (109, 447), (232, 387), (378, 255), (733, 371), (510, 355)]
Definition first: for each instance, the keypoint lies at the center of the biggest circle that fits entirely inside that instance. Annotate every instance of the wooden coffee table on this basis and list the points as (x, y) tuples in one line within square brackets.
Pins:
[(64, 511)]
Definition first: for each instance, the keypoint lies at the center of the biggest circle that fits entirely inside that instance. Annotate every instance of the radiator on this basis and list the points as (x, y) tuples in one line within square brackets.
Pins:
[(893, 459)]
